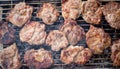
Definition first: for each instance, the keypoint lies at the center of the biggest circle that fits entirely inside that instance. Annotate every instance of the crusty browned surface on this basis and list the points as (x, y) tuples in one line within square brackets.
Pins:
[(38, 59), (68, 54), (49, 13), (97, 40), (110, 7), (91, 11), (83, 56), (73, 32), (56, 40), (71, 9), (9, 58), (20, 14), (33, 33), (6, 33), (115, 56), (112, 14), (75, 54)]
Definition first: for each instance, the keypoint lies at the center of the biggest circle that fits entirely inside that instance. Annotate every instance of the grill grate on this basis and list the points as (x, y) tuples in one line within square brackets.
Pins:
[(97, 61)]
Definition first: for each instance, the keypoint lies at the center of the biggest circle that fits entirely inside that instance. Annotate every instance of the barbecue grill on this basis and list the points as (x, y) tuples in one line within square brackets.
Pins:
[(97, 61)]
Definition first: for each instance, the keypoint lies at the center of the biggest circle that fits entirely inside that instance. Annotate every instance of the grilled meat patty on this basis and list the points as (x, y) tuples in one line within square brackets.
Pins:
[(111, 12), (71, 9), (9, 58), (73, 32), (68, 54), (38, 59), (97, 40), (6, 33), (20, 14), (33, 33), (56, 40), (75, 54), (83, 56), (91, 11), (115, 56), (49, 13)]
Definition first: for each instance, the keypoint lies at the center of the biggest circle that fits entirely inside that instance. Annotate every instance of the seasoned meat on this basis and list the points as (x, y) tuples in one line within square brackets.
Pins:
[(74, 32), (9, 58), (97, 40), (56, 40), (20, 14), (115, 56), (38, 59), (6, 33), (71, 9), (110, 7), (83, 56), (48, 13), (75, 54), (68, 54), (112, 14), (91, 11), (33, 33)]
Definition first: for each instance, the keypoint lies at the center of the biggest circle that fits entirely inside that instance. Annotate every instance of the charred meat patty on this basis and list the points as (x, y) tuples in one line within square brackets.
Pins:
[(71, 9), (6, 33), (73, 32), (33, 33), (91, 11), (48, 13), (9, 57), (75, 54), (38, 59), (57, 40), (20, 14), (111, 12), (115, 56), (97, 40)]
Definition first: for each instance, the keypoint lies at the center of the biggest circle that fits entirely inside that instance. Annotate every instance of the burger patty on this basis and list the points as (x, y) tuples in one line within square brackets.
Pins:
[(49, 13), (111, 12), (9, 58), (71, 9), (115, 56), (20, 14), (38, 59), (33, 33), (6, 33), (75, 54), (73, 32), (56, 40), (97, 40), (91, 11)]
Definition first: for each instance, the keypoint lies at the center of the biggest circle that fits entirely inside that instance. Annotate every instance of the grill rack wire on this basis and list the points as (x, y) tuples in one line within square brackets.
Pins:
[(97, 61)]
